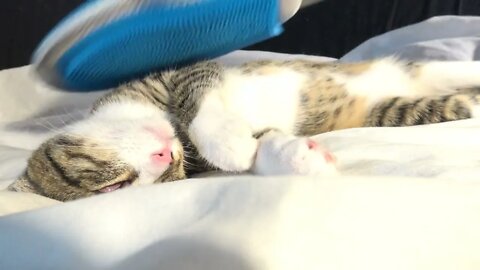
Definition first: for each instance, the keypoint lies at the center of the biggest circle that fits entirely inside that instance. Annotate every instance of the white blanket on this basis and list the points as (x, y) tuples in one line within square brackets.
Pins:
[(409, 197)]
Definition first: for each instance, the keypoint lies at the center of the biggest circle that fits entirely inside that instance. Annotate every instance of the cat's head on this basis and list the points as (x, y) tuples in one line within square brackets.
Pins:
[(116, 147)]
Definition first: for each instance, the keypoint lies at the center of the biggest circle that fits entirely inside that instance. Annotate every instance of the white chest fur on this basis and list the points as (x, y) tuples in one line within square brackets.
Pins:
[(242, 105), (263, 101)]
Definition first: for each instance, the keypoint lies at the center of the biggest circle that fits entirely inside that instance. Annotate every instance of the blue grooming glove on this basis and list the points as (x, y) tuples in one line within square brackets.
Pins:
[(106, 42)]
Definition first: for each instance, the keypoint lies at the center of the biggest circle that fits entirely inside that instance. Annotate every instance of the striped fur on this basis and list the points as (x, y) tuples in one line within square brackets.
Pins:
[(66, 168), (399, 111), (215, 100)]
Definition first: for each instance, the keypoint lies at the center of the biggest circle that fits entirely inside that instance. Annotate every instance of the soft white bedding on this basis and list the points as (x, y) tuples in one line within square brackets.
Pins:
[(408, 199)]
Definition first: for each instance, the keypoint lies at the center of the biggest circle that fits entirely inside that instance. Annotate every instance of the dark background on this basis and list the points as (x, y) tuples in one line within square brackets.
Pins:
[(330, 28)]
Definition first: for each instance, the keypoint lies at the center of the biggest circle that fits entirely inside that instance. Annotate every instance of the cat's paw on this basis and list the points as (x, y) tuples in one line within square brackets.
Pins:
[(280, 154), (227, 144)]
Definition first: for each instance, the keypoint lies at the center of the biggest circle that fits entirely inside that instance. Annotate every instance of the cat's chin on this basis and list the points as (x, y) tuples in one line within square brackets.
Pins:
[(115, 187)]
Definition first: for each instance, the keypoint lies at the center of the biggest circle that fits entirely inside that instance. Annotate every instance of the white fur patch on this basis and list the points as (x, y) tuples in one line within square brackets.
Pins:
[(121, 127), (222, 139), (385, 78), (389, 78), (128, 110), (245, 104), (264, 101), (446, 77)]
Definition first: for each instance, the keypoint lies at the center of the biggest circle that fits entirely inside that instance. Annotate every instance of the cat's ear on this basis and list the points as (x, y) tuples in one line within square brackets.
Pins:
[(22, 185)]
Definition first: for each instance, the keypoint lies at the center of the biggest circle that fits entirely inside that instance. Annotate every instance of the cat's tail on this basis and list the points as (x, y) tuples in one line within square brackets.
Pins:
[(411, 111)]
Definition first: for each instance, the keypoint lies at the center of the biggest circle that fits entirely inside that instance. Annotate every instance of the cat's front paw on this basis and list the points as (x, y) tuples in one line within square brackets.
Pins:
[(228, 145), (280, 154)]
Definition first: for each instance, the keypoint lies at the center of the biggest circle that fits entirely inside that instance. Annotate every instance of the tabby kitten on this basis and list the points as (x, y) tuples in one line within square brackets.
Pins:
[(253, 117)]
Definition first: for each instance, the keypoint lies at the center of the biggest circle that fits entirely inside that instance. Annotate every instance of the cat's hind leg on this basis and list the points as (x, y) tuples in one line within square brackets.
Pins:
[(444, 77), (389, 77), (405, 94)]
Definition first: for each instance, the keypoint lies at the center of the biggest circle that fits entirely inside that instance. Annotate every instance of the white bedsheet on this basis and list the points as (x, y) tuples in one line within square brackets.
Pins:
[(408, 199)]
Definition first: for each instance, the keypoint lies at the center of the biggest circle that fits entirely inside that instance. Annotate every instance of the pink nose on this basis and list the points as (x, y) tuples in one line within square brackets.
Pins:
[(162, 157)]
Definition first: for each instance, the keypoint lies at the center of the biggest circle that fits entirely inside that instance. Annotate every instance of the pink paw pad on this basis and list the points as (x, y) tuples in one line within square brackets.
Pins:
[(312, 145), (329, 157)]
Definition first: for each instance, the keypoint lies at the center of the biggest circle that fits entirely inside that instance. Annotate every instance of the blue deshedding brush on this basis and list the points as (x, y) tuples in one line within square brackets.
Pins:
[(106, 42)]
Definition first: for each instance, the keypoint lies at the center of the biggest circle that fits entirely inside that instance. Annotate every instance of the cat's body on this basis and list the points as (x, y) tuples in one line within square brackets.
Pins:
[(252, 117)]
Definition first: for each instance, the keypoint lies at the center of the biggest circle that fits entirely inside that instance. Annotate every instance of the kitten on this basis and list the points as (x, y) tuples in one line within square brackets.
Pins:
[(256, 117)]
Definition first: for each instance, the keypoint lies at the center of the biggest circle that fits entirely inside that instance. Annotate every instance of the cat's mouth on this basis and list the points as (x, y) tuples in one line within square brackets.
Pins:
[(115, 186)]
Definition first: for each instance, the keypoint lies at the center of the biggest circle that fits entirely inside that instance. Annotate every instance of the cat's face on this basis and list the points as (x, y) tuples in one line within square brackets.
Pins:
[(108, 151)]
